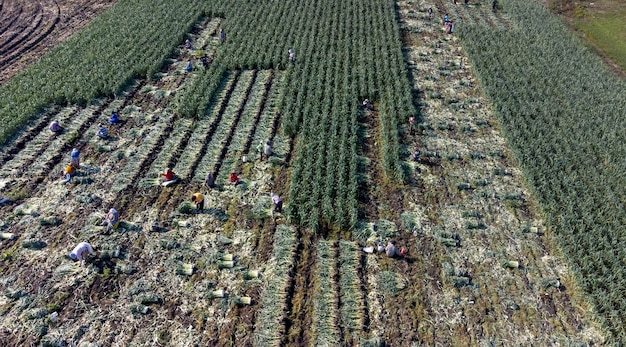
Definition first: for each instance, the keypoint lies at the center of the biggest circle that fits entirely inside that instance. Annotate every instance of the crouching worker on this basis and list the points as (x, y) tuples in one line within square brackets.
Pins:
[(75, 158), (55, 128), (210, 180), (68, 172), (392, 251), (277, 201), (234, 179), (198, 199), (81, 252), (102, 132), (115, 118), (112, 219), (170, 177)]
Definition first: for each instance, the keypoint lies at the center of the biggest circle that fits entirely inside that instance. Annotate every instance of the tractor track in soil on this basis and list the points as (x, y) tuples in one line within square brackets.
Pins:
[(28, 31)]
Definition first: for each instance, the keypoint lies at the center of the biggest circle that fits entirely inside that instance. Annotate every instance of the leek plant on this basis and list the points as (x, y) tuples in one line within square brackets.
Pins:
[(269, 328)]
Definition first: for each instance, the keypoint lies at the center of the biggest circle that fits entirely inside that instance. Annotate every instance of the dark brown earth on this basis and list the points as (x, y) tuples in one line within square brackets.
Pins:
[(29, 29)]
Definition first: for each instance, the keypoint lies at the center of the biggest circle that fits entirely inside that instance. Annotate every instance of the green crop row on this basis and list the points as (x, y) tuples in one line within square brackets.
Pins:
[(563, 113), (345, 52), (324, 328), (132, 39)]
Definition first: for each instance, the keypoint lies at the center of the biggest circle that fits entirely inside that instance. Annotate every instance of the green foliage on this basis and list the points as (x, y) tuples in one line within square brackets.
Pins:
[(385, 229), (132, 39), (262, 208), (607, 31), (562, 111), (389, 282)]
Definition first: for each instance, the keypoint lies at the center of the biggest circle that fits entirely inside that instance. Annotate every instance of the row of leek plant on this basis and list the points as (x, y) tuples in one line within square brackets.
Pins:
[(344, 52), (132, 39), (324, 328), (351, 298), (270, 328), (245, 126), (562, 112), (201, 130)]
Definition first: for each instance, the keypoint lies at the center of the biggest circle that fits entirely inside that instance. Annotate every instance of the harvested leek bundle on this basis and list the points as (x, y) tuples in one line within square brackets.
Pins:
[(243, 300), (510, 264), (216, 294), (226, 264), (185, 269), (138, 308), (148, 299), (7, 236), (251, 274)]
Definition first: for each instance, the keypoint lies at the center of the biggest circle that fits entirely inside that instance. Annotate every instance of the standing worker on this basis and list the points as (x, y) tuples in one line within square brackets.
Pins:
[(81, 252), (189, 66), (494, 5), (210, 180), (292, 56), (198, 199), (222, 35)]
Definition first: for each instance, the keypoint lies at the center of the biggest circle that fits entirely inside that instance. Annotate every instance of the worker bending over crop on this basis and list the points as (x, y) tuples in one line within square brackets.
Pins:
[(102, 131), (68, 172), (75, 158), (55, 128), (277, 202), (234, 179), (292, 56), (198, 199), (366, 105), (81, 252), (170, 177), (115, 118), (111, 220), (391, 250)]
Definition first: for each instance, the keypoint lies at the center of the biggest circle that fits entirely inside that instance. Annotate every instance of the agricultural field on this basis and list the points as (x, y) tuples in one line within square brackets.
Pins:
[(31, 28), (491, 258)]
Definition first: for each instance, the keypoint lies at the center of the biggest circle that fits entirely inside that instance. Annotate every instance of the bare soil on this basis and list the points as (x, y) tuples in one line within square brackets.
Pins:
[(29, 29)]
